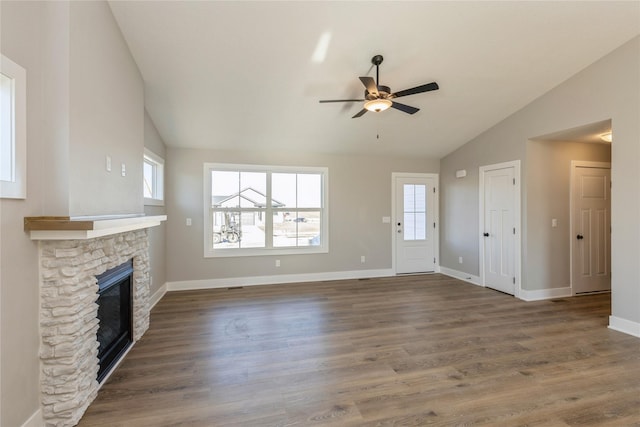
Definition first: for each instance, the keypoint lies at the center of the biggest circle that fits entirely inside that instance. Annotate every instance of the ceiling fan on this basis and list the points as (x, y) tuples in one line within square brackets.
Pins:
[(378, 97)]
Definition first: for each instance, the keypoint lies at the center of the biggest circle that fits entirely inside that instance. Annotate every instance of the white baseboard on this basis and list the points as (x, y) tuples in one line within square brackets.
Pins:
[(542, 294), (35, 420), (157, 296), (461, 275), (623, 325), (275, 279)]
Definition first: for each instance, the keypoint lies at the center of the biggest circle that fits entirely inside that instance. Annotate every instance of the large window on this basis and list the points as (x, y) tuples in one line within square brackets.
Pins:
[(153, 178), (264, 210), (13, 128)]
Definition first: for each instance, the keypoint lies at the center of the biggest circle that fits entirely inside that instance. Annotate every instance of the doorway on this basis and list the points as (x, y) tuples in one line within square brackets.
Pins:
[(414, 222), (590, 227), (500, 227)]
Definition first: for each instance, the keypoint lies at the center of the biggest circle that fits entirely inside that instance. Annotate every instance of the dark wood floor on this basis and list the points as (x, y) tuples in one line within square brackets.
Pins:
[(402, 351)]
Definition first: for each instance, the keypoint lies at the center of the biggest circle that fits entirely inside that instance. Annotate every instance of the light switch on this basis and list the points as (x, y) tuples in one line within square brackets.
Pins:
[(386, 219), (124, 170), (554, 222), (108, 163), (188, 222)]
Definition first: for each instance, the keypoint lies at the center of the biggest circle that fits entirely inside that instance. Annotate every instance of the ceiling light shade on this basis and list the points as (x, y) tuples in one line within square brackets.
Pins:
[(607, 136), (377, 105)]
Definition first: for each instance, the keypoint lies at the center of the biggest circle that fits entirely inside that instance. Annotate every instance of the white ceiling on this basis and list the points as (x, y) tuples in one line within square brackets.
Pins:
[(240, 75)]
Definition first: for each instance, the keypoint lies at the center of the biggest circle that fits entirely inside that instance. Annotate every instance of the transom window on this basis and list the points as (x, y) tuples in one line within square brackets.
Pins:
[(264, 210)]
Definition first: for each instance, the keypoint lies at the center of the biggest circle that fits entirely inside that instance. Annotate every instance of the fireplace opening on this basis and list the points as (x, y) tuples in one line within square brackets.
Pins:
[(115, 330)]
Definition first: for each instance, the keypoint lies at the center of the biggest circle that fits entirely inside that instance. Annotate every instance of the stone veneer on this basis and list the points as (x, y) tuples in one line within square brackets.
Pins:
[(68, 316)]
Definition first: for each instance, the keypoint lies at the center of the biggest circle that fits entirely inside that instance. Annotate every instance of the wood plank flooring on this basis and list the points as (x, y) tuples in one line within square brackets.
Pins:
[(401, 351)]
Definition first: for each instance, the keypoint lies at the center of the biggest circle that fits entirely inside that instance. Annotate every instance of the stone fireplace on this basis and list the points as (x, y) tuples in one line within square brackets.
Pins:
[(70, 261)]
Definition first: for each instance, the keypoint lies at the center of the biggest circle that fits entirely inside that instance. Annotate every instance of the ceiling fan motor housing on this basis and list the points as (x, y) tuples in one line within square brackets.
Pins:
[(383, 93)]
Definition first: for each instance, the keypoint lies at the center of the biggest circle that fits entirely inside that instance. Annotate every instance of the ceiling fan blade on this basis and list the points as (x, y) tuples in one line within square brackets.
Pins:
[(340, 100), (360, 113), (406, 108), (417, 89), (370, 84)]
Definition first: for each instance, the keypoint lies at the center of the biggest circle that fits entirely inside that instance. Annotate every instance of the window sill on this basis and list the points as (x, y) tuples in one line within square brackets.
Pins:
[(239, 253), (153, 202)]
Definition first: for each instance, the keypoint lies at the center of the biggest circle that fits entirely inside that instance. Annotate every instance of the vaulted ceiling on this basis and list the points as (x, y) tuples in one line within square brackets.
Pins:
[(243, 76)]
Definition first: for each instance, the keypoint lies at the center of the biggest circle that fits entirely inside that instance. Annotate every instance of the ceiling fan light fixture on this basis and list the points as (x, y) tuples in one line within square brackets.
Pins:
[(377, 105)]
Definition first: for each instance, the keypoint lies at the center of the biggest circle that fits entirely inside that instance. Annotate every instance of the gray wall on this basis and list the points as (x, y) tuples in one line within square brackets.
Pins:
[(608, 89), (157, 251), (84, 100), (548, 190), (106, 108), (359, 196), (22, 32)]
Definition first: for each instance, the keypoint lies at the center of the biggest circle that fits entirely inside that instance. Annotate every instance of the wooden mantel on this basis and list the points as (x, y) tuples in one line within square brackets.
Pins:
[(86, 227)]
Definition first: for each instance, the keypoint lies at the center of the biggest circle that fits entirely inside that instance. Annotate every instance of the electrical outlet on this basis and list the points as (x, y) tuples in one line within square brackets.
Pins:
[(362, 259), (459, 260), (277, 263), (124, 170)]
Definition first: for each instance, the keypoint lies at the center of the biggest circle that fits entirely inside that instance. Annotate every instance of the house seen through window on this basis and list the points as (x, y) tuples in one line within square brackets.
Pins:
[(254, 210)]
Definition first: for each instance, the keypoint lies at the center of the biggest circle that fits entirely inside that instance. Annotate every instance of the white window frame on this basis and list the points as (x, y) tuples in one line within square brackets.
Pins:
[(16, 187), (158, 179), (209, 252)]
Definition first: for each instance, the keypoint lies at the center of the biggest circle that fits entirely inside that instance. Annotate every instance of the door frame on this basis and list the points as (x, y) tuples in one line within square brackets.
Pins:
[(517, 245), (574, 165), (436, 215)]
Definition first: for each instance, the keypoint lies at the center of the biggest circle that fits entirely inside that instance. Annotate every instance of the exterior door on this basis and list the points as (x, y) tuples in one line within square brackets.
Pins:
[(498, 230), (591, 229), (415, 231)]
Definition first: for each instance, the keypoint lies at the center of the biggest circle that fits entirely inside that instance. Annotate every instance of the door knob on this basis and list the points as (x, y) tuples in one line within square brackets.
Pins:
[(486, 234), (579, 237)]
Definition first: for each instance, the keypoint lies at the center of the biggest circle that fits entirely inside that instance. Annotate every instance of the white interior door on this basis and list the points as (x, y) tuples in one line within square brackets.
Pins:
[(591, 224), (498, 230), (415, 231)]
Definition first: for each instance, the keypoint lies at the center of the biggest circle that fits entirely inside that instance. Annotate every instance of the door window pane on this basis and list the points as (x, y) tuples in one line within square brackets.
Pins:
[(415, 208)]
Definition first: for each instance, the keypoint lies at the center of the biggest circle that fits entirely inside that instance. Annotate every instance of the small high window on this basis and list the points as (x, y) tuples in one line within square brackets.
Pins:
[(153, 178), (13, 130)]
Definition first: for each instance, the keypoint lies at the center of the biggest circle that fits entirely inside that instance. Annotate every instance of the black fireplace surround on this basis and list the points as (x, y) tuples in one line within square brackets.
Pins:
[(115, 330)]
